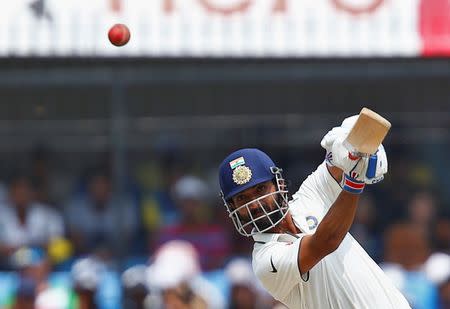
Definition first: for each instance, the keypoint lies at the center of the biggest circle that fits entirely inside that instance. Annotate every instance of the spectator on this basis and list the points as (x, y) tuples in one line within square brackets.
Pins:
[(441, 233), (85, 275), (99, 219), (405, 253), (246, 291), (26, 294), (175, 275), (437, 270), (24, 222), (444, 293), (422, 210), (134, 286), (210, 239), (33, 268)]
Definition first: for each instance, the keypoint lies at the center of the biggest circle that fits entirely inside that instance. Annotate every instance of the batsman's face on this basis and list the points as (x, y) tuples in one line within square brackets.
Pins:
[(257, 206)]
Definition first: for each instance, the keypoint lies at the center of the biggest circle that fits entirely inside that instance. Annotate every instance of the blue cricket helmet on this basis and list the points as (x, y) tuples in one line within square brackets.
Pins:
[(243, 169)]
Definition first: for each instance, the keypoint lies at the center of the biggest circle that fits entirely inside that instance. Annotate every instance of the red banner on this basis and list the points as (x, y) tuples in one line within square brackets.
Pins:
[(434, 26)]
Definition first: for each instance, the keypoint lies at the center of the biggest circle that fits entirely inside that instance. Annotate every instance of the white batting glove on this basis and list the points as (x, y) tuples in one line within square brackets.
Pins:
[(341, 131), (353, 169), (339, 157), (377, 164)]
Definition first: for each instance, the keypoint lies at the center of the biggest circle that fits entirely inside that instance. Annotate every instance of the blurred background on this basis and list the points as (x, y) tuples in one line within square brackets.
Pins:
[(108, 156)]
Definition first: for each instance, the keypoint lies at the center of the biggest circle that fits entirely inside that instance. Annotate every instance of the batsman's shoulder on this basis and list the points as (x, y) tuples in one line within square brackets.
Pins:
[(275, 264)]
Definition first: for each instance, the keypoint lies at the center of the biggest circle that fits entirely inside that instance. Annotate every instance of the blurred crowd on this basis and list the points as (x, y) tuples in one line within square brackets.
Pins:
[(160, 237)]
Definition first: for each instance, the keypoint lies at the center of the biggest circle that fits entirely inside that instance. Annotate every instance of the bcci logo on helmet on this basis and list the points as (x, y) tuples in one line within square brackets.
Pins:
[(241, 175)]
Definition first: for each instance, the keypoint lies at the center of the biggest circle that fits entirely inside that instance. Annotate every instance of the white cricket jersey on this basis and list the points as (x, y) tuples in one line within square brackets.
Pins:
[(347, 278)]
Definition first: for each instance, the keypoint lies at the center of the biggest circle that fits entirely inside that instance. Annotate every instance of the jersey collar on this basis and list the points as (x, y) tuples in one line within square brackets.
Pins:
[(268, 237), (265, 237)]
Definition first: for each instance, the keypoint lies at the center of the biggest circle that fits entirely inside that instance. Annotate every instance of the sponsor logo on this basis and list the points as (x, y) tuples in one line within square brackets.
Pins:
[(274, 270), (312, 222), (354, 175), (329, 157), (375, 180)]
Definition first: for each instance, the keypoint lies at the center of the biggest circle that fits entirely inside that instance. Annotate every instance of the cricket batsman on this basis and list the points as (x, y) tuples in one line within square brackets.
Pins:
[(303, 254)]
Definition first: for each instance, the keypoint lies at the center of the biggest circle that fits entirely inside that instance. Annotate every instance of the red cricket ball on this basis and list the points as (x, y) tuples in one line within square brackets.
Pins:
[(119, 35)]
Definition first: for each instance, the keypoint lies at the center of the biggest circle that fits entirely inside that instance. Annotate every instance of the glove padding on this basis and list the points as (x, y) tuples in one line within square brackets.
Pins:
[(377, 165), (338, 156), (341, 131)]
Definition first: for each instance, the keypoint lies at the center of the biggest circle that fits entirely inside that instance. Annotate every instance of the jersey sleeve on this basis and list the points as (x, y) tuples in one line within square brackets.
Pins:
[(276, 266), (320, 188)]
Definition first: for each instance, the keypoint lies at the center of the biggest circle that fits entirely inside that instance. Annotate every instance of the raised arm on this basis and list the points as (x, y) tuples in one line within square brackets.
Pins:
[(338, 193), (339, 217), (330, 232)]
